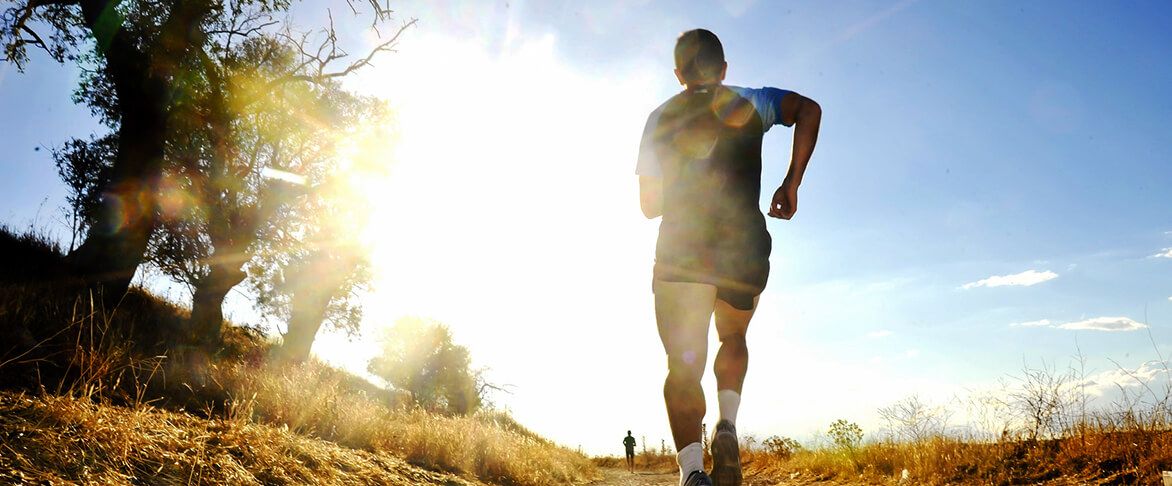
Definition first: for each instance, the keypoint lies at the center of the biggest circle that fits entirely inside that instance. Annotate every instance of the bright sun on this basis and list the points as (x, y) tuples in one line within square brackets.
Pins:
[(511, 187)]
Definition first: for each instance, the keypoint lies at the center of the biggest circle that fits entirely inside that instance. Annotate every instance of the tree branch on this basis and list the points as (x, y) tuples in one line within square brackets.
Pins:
[(320, 74)]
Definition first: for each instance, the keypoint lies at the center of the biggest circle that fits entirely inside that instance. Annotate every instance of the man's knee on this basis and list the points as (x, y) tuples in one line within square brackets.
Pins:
[(685, 368), (733, 338)]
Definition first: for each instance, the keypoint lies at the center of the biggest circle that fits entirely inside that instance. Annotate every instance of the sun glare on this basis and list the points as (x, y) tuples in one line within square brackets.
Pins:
[(510, 196)]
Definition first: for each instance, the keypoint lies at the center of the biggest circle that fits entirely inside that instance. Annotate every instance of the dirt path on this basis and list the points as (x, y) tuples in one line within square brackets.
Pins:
[(620, 477)]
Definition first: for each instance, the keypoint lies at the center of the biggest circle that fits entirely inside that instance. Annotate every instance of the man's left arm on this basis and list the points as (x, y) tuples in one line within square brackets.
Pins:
[(806, 116)]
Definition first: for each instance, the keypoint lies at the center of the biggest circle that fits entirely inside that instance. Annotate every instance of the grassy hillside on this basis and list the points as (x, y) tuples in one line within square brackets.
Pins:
[(58, 439), (113, 396)]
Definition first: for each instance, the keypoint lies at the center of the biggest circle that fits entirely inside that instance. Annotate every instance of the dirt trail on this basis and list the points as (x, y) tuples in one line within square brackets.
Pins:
[(620, 477)]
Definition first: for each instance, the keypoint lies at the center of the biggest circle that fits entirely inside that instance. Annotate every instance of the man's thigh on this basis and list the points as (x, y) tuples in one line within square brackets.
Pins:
[(683, 311), (731, 320)]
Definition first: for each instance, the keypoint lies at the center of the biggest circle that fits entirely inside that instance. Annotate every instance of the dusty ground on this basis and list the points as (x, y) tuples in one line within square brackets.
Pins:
[(620, 477)]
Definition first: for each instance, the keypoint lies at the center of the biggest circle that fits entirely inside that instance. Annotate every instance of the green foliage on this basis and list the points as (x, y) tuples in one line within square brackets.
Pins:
[(846, 436), (84, 167), (781, 447), (418, 356)]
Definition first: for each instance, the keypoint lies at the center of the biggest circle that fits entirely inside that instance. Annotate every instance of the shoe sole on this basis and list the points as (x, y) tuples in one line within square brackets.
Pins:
[(726, 460)]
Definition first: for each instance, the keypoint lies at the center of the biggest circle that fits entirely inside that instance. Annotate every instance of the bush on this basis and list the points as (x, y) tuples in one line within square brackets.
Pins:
[(781, 447)]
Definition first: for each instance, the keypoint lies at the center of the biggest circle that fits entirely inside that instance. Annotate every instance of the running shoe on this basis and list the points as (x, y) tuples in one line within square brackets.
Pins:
[(698, 478), (726, 455)]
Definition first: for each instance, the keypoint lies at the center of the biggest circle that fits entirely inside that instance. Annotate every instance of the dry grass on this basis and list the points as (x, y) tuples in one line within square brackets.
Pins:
[(1129, 447), (112, 396), (62, 439)]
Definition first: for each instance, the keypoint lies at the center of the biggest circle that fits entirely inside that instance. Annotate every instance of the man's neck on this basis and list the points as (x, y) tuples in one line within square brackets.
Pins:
[(702, 87)]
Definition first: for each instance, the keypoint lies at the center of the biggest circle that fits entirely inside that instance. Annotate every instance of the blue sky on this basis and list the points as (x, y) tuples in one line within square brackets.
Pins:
[(960, 141)]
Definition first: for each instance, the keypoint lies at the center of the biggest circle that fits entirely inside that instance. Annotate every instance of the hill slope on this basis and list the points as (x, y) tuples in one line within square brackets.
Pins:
[(60, 438)]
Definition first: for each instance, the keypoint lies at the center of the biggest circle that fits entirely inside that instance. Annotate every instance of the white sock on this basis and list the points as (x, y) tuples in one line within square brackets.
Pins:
[(690, 458), (729, 402)]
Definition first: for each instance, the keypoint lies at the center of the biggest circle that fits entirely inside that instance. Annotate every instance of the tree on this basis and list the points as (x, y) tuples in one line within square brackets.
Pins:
[(914, 420), (252, 99), (418, 356), (84, 166), (259, 154), (258, 164), (139, 47), (149, 56)]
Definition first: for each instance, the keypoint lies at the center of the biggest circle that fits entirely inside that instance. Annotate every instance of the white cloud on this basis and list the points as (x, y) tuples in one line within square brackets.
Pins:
[(1026, 278), (879, 334), (1104, 324), (1121, 379), (1037, 323), (912, 353), (1165, 253)]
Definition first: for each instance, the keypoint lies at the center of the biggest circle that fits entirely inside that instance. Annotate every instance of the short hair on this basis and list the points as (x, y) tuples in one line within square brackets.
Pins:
[(699, 55)]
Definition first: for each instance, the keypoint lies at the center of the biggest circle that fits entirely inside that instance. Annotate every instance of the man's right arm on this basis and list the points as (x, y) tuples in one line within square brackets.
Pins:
[(651, 196), (649, 170)]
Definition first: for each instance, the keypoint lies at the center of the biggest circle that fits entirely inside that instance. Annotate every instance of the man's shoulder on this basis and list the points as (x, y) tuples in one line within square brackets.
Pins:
[(667, 105)]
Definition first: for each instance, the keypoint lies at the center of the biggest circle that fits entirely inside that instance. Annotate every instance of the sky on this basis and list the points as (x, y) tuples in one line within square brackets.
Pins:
[(989, 192)]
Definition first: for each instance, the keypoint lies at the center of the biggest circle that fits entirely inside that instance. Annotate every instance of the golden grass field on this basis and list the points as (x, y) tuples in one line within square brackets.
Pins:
[(99, 397)]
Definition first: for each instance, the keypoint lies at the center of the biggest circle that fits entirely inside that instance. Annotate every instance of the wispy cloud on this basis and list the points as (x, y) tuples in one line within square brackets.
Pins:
[(1025, 279), (1104, 324), (1094, 324), (1037, 323), (1165, 253), (1118, 380), (879, 334)]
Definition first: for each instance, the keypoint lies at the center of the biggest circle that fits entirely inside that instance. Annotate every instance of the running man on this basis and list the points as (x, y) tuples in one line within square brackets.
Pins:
[(629, 445), (700, 168)]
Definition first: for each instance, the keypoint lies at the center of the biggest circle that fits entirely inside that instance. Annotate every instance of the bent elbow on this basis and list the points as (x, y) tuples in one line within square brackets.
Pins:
[(811, 110), (650, 211)]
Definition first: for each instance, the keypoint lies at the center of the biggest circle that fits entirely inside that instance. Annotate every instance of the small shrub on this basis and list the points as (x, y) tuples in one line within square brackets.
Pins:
[(781, 447)]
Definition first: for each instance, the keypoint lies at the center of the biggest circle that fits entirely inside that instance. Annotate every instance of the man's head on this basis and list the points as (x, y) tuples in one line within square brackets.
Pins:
[(628, 432), (699, 58)]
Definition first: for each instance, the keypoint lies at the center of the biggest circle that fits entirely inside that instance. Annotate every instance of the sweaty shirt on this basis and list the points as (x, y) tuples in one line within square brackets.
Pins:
[(767, 102), (705, 144), (629, 443)]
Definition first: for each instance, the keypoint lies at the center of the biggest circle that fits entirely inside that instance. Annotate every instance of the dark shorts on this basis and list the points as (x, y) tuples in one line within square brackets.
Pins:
[(630, 452), (737, 267)]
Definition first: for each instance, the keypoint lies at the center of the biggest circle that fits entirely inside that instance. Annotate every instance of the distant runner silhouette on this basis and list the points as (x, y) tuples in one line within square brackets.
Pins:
[(700, 168), (629, 445)]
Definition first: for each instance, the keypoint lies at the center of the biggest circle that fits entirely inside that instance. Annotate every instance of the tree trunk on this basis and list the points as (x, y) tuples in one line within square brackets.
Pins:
[(115, 244), (305, 320), (207, 303), (316, 281)]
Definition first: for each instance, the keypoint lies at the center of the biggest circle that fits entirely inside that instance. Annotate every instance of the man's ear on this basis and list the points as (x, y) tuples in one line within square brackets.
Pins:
[(723, 70), (680, 77)]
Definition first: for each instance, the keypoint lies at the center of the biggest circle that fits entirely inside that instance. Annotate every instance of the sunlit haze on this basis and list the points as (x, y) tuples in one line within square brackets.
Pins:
[(990, 189)]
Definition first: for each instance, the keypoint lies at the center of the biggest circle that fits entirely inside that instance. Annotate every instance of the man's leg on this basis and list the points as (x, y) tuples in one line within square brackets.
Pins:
[(732, 362), (683, 311)]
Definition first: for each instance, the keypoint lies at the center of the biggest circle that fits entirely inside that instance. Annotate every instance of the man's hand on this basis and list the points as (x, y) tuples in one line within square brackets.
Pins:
[(785, 201), (806, 115)]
